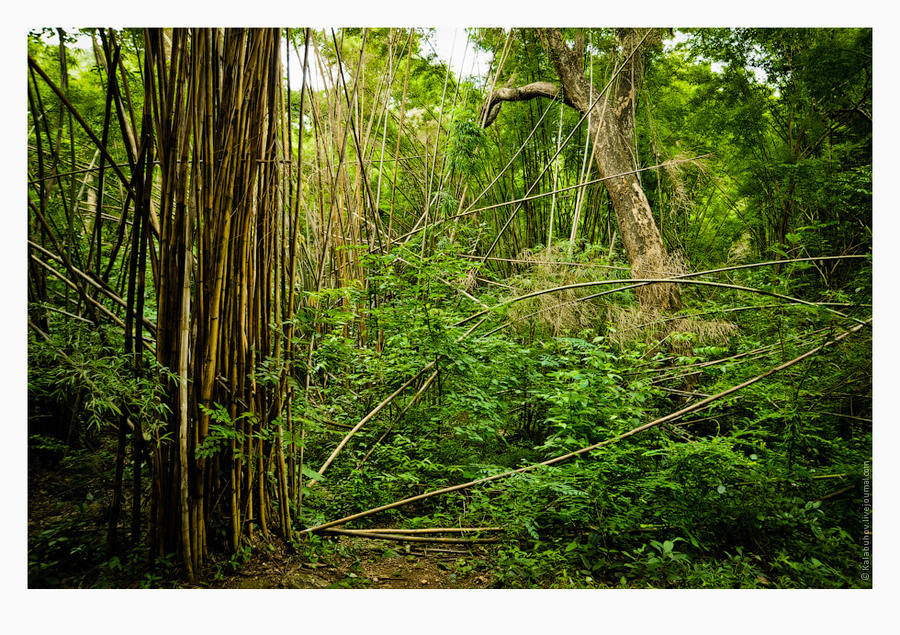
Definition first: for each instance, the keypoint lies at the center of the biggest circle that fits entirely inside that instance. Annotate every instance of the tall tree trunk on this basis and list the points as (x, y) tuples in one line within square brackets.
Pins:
[(611, 129)]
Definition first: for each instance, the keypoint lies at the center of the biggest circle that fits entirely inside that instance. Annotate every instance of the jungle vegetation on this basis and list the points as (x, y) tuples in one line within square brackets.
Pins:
[(286, 285)]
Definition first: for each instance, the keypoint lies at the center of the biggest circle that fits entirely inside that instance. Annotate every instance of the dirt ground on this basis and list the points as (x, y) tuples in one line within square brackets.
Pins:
[(364, 563)]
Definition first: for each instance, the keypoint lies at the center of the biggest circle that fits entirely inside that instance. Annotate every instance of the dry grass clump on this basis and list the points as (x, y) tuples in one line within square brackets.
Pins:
[(662, 295), (563, 311), (631, 324), (741, 250), (469, 280), (674, 169), (566, 312)]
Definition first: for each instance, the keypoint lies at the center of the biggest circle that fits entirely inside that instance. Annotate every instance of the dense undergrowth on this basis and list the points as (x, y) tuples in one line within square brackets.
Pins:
[(764, 488)]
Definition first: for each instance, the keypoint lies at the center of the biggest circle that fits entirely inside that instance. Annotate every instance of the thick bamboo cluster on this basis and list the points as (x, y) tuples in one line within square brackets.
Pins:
[(216, 99)]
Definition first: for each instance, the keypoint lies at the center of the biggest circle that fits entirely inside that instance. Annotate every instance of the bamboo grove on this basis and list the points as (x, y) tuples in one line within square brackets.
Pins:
[(233, 226), (204, 208)]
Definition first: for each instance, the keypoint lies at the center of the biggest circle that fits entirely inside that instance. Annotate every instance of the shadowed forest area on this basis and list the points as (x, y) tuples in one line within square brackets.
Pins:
[(323, 309)]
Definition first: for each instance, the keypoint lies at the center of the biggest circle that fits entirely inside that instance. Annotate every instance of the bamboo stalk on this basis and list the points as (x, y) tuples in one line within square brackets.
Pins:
[(62, 97), (399, 137), (105, 290), (385, 402), (69, 284), (425, 385), (369, 417), (588, 265), (552, 159), (555, 184)]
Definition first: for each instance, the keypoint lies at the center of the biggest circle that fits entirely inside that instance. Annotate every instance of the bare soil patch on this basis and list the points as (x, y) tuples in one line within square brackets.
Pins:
[(363, 563)]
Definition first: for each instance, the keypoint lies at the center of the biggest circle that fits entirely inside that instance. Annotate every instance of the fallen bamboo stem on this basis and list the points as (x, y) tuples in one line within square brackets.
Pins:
[(760, 352), (415, 397), (430, 550), (666, 419), (93, 302), (633, 283), (788, 480), (431, 530), (837, 414), (690, 316), (399, 538), (838, 492)]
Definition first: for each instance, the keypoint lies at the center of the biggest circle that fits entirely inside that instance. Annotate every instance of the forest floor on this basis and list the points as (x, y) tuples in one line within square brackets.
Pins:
[(361, 563), (68, 517)]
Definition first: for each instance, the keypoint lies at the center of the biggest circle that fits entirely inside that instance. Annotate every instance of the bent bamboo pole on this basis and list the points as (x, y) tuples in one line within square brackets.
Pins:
[(102, 288), (554, 191), (670, 417), (629, 284), (434, 530), (380, 406), (425, 386), (99, 144), (369, 416), (632, 283)]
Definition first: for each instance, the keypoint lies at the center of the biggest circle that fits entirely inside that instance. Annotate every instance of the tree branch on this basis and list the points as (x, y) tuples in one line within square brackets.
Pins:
[(522, 93)]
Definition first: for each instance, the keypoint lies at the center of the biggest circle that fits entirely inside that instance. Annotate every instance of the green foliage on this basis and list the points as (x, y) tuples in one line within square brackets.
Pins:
[(588, 399), (466, 146), (787, 142), (46, 450), (81, 373), (45, 553), (738, 488), (662, 566), (523, 568), (762, 489), (68, 546)]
